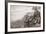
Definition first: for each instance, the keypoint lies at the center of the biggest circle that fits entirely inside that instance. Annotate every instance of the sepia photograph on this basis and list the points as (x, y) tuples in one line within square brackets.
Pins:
[(25, 17)]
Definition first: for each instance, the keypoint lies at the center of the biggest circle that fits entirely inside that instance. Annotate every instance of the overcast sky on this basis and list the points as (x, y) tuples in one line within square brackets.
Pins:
[(18, 12)]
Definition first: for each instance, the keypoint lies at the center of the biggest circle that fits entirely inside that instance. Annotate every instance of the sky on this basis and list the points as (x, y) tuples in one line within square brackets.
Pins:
[(18, 12)]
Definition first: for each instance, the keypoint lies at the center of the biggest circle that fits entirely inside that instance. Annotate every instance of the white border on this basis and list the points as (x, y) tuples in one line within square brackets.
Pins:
[(24, 29)]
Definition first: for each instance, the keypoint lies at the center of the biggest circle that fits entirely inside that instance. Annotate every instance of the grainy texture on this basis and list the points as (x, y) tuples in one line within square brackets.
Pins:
[(25, 16)]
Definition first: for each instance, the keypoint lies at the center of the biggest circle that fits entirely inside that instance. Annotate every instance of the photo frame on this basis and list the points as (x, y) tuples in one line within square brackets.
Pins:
[(23, 16)]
